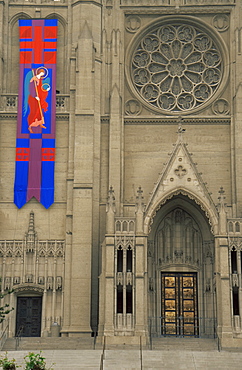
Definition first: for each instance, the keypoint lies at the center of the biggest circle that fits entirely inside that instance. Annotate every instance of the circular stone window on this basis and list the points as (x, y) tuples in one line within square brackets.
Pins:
[(177, 65)]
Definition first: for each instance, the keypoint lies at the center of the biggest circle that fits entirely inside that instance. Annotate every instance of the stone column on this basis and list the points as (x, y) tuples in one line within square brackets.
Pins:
[(224, 312), (141, 289)]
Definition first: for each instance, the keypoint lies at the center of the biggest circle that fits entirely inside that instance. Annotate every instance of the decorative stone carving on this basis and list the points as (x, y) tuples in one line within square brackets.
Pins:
[(180, 172), (151, 284), (49, 285), (7, 283), (235, 280), (41, 280), (29, 278), (221, 22), (60, 102), (176, 66), (58, 283), (221, 106), (129, 278), (31, 235), (185, 247), (120, 278), (150, 248), (11, 101), (178, 254), (208, 285), (132, 23), (16, 280), (132, 107)]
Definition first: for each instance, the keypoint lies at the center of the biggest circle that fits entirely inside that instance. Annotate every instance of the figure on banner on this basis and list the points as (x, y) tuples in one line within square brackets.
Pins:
[(36, 92)]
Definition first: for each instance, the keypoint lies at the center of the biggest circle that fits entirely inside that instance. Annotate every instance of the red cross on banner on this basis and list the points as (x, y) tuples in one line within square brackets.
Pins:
[(48, 154), (22, 154), (40, 44)]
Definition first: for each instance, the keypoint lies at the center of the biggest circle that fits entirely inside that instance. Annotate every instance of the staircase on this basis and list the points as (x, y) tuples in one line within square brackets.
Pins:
[(49, 343), (184, 344), (168, 354)]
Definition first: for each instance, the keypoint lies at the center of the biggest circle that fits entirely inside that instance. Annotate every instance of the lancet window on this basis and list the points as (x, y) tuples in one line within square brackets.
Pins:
[(124, 284)]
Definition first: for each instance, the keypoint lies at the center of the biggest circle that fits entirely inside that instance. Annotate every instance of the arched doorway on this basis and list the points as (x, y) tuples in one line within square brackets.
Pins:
[(181, 271)]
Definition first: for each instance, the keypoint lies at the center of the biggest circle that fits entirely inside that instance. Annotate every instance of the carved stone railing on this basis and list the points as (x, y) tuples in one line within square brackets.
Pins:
[(62, 103), (9, 103)]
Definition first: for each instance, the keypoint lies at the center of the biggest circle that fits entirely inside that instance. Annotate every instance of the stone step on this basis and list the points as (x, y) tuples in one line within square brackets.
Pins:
[(62, 360), (48, 343), (121, 360), (184, 344)]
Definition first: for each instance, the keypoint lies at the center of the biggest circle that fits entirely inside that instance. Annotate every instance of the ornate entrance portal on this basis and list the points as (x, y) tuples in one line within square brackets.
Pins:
[(181, 271), (179, 306)]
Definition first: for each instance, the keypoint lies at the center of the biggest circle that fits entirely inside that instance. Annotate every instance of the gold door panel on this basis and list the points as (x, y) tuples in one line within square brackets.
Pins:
[(179, 314)]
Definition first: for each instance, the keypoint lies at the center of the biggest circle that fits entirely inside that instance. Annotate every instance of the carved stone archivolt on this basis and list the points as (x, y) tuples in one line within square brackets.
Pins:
[(177, 65)]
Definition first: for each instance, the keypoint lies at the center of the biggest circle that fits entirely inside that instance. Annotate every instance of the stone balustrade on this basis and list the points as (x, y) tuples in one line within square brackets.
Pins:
[(9, 103)]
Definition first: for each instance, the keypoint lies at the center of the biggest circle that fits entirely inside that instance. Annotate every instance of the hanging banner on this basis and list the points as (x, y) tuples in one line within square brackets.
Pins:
[(35, 144)]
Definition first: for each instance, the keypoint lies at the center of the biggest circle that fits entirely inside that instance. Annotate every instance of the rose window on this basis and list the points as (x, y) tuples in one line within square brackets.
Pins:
[(176, 67)]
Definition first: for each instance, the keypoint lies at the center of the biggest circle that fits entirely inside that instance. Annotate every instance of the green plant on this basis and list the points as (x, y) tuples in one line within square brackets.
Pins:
[(4, 310), (8, 364), (35, 361)]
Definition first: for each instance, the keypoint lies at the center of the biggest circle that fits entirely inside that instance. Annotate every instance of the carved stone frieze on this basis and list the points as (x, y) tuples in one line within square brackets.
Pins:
[(187, 121), (28, 288)]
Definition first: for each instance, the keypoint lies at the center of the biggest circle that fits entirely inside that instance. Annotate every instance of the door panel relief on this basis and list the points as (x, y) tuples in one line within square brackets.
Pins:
[(179, 304)]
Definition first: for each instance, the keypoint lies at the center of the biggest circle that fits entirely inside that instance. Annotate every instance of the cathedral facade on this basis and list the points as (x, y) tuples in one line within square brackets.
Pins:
[(144, 237)]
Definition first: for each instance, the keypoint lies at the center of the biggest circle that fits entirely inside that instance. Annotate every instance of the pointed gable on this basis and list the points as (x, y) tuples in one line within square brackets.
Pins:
[(180, 176)]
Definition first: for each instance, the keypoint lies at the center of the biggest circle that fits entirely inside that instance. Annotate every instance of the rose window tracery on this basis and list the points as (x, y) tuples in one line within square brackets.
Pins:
[(176, 67)]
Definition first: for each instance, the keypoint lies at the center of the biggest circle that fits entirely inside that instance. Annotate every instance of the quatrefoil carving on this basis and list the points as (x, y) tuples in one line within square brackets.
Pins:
[(180, 172)]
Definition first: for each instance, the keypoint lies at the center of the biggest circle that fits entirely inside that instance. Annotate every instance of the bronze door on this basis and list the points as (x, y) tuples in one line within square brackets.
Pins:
[(179, 312), (29, 316)]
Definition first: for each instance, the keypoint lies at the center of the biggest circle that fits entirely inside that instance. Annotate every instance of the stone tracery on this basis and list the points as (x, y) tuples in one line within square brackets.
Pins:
[(176, 67)]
